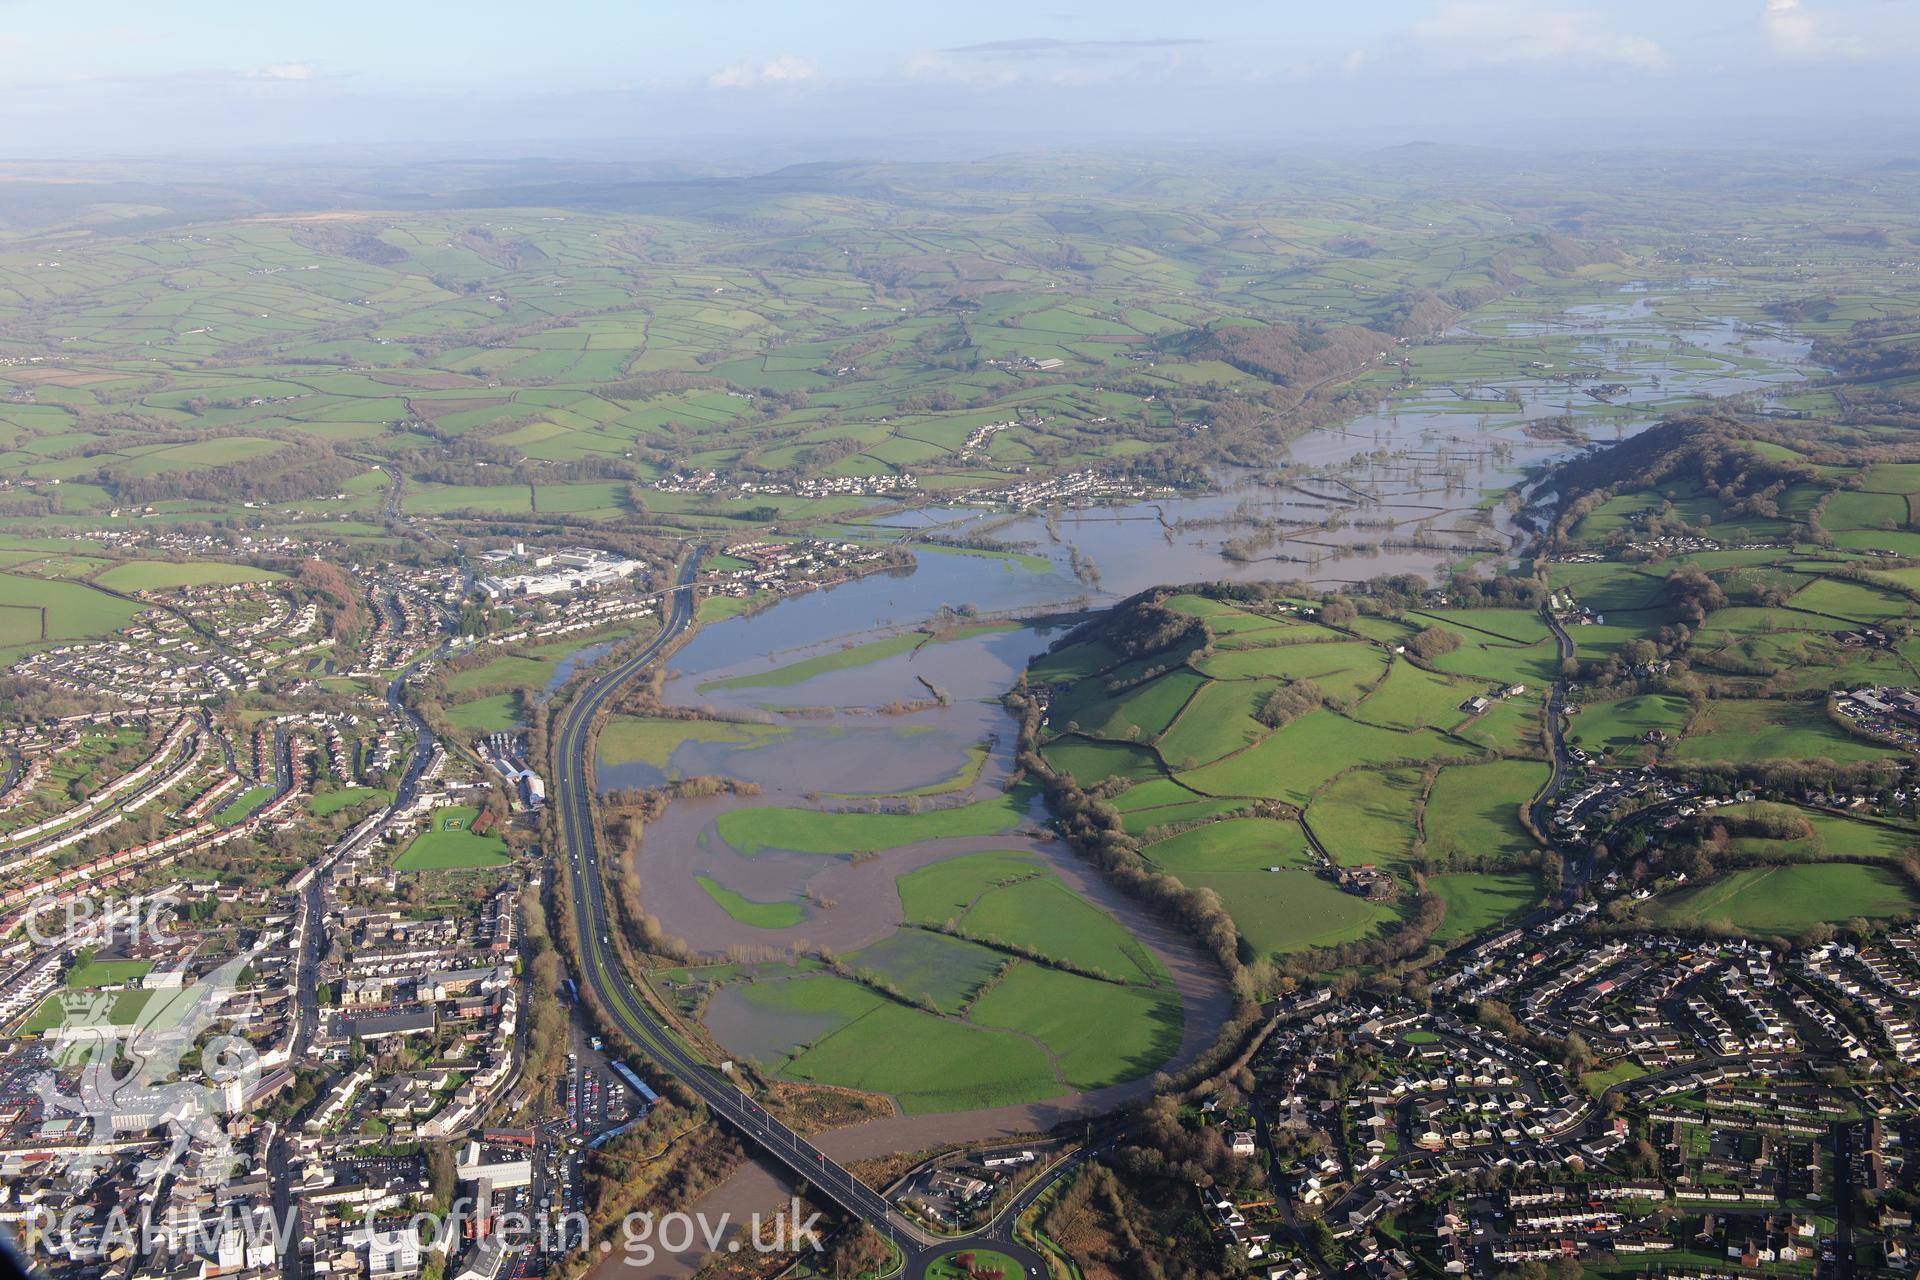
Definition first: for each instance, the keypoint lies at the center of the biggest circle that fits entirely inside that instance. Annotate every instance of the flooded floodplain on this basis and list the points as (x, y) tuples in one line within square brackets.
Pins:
[(868, 713)]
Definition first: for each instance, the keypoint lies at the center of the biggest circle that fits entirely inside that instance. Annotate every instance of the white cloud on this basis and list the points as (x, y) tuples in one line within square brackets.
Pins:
[(1794, 32), (787, 69), (1494, 32)]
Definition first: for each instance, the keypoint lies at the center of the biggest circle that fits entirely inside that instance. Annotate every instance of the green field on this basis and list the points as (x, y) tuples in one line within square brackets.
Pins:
[(1339, 668), (1746, 731), (529, 666), (448, 844), (1013, 1030), (508, 671), (1233, 844), (1293, 764), (1278, 912), (121, 1009), (1831, 834), (1367, 816), (759, 915), (944, 890), (1412, 698), (1218, 719), (720, 608), (328, 802), (954, 1066), (1620, 728), (244, 805), (1092, 762), (1100, 1033), (1140, 714), (647, 740), (1473, 812), (1478, 901), (1789, 899), (150, 575), (1850, 602), (1013, 559), (1042, 914), (107, 973), (1153, 806), (1598, 1082), (72, 611), (1014, 899), (1861, 838), (498, 713)]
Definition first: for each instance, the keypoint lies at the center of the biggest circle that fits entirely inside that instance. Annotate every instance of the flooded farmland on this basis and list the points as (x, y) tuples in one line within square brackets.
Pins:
[(1405, 489)]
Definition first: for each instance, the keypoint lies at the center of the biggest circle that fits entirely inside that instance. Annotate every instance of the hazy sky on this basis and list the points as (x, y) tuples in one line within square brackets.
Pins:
[(136, 76)]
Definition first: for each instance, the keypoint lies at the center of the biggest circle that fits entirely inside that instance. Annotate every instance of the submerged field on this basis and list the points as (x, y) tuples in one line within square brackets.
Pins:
[(1010, 986), (819, 831)]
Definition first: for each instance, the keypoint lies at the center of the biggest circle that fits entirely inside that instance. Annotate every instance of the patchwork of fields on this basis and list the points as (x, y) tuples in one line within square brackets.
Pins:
[(1348, 782), (1719, 648), (1267, 755)]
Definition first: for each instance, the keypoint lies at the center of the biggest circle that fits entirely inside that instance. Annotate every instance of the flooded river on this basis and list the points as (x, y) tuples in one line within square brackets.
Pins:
[(1405, 489)]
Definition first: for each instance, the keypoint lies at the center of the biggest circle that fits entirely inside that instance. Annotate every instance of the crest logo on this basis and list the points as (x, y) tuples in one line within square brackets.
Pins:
[(136, 1081)]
